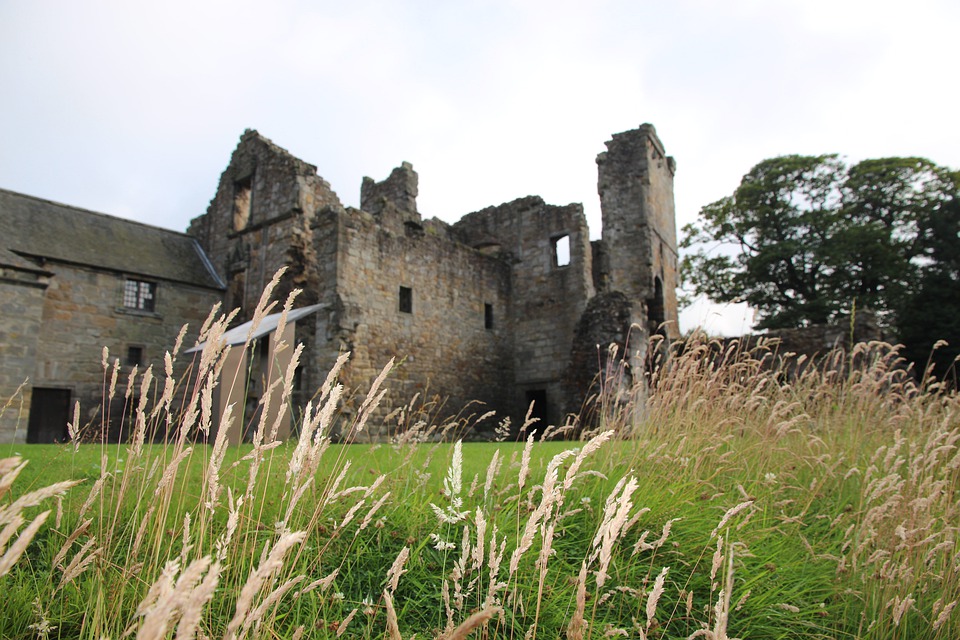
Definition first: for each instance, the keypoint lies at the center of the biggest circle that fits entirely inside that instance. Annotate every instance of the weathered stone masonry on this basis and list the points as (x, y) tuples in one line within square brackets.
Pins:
[(74, 281), (493, 308), (22, 288), (510, 305)]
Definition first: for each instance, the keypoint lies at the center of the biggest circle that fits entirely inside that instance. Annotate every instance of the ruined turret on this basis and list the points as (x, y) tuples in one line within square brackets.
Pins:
[(635, 268), (393, 201), (639, 226)]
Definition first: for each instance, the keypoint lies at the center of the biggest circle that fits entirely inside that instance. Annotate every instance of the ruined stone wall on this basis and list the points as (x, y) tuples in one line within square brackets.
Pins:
[(836, 348), (394, 285), (639, 227), (818, 339), (548, 298), (22, 295), (663, 227), (320, 333), (261, 219), (83, 312), (393, 201), (442, 345)]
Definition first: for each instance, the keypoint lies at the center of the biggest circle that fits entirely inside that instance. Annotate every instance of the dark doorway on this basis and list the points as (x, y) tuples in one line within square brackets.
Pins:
[(49, 414), (656, 311), (539, 399)]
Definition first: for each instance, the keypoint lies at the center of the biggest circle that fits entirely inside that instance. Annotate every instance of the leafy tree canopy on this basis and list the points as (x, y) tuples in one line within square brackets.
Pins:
[(928, 321), (804, 239)]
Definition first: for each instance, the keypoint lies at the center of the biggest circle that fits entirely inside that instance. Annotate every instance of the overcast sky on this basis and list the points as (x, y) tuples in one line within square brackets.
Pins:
[(133, 108)]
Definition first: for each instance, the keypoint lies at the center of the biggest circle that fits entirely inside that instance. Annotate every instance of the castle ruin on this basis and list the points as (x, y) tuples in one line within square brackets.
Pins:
[(509, 306), (505, 307)]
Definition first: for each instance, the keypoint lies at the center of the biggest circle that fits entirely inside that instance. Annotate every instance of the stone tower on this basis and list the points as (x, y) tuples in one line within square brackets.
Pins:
[(639, 233)]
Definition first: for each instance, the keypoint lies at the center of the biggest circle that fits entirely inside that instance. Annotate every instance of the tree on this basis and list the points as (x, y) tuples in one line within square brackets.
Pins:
[(805, 239), (774, 226), (929, 317)]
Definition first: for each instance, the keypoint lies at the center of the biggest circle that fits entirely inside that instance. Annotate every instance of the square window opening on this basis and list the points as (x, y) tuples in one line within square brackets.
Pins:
[(140, 295), (487, 315), (134, 355), (406, 300), (561, 250)]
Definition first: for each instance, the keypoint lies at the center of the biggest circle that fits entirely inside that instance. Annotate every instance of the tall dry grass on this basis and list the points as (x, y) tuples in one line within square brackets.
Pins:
[(851, 452), (743, 495)]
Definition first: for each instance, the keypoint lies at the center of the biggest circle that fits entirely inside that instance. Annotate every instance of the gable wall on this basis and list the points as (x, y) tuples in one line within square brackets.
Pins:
[(285, 196)]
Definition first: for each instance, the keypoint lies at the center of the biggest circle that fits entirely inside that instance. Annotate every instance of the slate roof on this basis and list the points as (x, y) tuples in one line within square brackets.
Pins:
[(36, 228)]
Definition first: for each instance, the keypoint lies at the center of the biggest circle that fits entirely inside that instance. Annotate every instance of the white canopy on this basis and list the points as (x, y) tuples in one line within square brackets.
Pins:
[(239, 334)]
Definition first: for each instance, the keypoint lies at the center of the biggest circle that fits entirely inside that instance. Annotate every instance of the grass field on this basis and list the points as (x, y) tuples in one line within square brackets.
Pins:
[(743, 502)]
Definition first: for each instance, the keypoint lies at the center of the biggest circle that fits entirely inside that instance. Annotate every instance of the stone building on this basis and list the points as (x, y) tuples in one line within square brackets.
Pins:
[(505, 307), (73, 281)]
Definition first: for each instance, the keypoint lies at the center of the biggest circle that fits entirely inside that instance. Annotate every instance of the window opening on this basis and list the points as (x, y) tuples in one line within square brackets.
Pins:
[(134, 355), (488, 247), (487, 315), (412, 229), (656, 311), (406, 300), (242, 196), (140, 295), (561, 250), (236, 290)]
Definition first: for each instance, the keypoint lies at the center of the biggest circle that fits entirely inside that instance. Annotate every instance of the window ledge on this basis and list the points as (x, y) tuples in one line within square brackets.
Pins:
[(138, 312)]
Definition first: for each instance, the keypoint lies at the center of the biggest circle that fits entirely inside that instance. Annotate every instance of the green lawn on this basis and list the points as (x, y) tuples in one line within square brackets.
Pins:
[(741, 505)]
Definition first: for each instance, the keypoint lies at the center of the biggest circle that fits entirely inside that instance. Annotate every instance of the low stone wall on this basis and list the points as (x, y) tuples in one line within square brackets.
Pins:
[(798, 348)]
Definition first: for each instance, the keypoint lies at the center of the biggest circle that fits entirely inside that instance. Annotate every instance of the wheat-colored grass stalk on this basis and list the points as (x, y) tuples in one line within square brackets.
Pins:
[(471, 624), (615, 515), (577, 625), (393, 627), (268, 568), (654, 598), (12, 553), (81, 561), (396, 569), (11, 515), (342, 627)]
